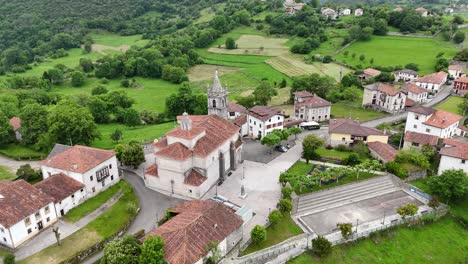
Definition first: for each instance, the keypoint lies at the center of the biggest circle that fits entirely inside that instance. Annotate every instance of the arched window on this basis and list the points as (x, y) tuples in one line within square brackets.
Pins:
[(214, 103)]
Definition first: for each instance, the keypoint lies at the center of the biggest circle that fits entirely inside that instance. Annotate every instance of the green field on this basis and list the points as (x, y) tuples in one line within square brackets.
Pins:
[(450, 105), (21, 152), (353, 110), (441, 242), (113, 40), (6, 173), (393, 51)]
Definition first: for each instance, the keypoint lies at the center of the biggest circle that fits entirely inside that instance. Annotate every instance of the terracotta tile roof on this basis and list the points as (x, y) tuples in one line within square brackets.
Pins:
[(388, 89), (455, 67), (177, 151), (462, 80), (413, 88), (197, 223), (185, 134), (160, 144), (293, 123), (240, 120), (352, 127), (78, 159), (152, 170), (420, 138), (407, 71), (263, 112), (302, 94), (462, 127), (421, 9), (59, 186), (437, 78), (313, 101), (194, 178), (457, 149), (409, 102), (385, 151), (422, 110), (15, 122), (442, 119), (19, 200), (233, 107), (372, 72)]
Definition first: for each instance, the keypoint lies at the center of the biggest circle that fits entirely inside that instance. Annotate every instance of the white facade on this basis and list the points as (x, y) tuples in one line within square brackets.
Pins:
[(418, 98), (456, 72), (452, 163), (345, 12), (259, 128), (404, 76), (358, 12), (70, 202), (27, 228), (415, 123), (93, 185), (383, 101), (316, 114)]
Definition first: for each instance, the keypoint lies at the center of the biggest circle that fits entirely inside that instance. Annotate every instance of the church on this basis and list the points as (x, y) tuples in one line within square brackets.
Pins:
[(201, 151)]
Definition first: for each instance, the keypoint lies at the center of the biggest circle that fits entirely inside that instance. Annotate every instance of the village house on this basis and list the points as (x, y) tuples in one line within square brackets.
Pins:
[(369, 73), (291, 7), (415, 93), (382, 151), (311, 107), (358, 12), (328, 13), (24, 212), (421, 10), (454, 155), (345, 12), (67, 192), (418, 140), (95, 168), (262, 120), (235, 110), (384, 97), (15, 122), (194, 227), (348, 132), (194, 156), (398, 9), (455, 71), (432, 82), (405, 75), (425, 120), (460, 85)]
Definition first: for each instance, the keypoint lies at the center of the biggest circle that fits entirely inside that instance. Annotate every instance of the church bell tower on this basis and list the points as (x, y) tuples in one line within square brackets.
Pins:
[(217, 98)]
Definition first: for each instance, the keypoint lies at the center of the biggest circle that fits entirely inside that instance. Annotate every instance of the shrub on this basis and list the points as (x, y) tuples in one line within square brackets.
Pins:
[(9, 259), (275, 217), (396, 169), (286, 192), (285, 206), (329, 147), (407, 210), (352, 159), (346, 229), (327, 59), (284, 177), (125, 83), (321, 246), (258, 234), (341, 147)]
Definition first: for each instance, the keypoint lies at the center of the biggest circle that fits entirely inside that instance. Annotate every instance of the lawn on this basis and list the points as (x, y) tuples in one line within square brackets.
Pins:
[(21, 152), (114, 40), (203, 72), (98, 230), (255, 45), (300, 167), (90, 205), (6, 173), (276, 234), (353, 110), (450, 105), (393, 51), (333, 153)]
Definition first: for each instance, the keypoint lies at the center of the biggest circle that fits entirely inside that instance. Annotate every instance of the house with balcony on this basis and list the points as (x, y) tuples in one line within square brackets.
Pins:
[(384, 97), (432, 82), (439, 123), (262, 120), (311, 107)]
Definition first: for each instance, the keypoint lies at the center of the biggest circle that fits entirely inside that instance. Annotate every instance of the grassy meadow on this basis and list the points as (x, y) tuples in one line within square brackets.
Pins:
[(6, 173), (450, 105)]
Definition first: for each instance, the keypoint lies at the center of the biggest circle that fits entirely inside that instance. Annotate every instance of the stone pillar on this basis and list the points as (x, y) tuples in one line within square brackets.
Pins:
[(221, 166)]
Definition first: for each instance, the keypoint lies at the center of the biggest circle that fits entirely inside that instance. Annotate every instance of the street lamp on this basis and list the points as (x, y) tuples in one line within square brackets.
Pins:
[(357, 223)]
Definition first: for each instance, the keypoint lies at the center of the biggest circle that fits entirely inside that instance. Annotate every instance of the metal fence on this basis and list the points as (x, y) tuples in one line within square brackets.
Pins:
[(268, 255)]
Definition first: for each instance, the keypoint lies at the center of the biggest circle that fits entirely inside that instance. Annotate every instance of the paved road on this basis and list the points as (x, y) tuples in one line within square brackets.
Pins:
[(444, 93), (13, 165)]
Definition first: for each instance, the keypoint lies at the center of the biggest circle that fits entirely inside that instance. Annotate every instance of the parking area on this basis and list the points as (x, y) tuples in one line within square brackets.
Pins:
[(372, 209), (253, 150)]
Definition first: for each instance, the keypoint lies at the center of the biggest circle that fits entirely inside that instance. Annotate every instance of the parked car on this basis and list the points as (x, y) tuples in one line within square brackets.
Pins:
[(281, 148)]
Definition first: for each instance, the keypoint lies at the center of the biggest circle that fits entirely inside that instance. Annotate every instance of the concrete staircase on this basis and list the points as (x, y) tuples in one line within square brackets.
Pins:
[(346, 194)]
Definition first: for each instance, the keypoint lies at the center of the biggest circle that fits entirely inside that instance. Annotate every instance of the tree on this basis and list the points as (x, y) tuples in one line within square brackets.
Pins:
[(275, 217), (462, 55), (258, 234), (27, 173), (77, 79), (230, 43), (264, 92), (100, 89), (285, 206), (6, 130), (71, 123), (33, 122), (412, 66), (463, 106), (116, 135), (54, 76), (130, 154), (434, 202), (380, 27), (407, 210), (86, 65), (152, 251), (458, 20), (352, 159), (321, 246), (9, 259), (459, 37), (450, 185), (346, 229), (270, 140), (215, 253), (350, 79), (286, 192), (246, 101), (122, 250), (185, 101), (362, 57), (131, 117), (314, 83), (125, 83), (309, 145), (295, 131), (283, 83), (88, 47)]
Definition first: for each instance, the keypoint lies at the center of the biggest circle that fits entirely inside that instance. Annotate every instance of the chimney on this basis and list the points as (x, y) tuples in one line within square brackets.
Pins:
[(385, 131), (75, 166)]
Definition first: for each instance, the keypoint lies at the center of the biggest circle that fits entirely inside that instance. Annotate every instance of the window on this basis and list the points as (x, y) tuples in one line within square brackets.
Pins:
[(190, 191), (214, 103), (27, 221), (37, 215), (29, 230), (73, 196), (415, 144), (260, 125), (82, 190), (278, 118), (91, 178), (47, 209), (103, 183), (415, 126), (112, 177), (48, 219), (232, 113), (463, 161), (3, 230), (343, 139), (4, 239), (255, 122), (50, 174), (110, 166), (428, 130), (94, 189), (102, 174)]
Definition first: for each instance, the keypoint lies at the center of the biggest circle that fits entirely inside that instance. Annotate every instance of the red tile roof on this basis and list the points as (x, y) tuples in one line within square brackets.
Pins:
[(160, 144), (457, 149), (437, 78), (177, 151), (385, 151), (152, 170), (409, 102), (352, 127), (263, 112), (462, 80), (59, 186), (372, 72), (302, 94), (442, 119), (78, 159), (420, 138), (413, 88), (194, 178), (19, 200), (313, 101), (388, 89), (240, 120), (15, 122), (185, 134), (293, 123), (197, 223), (456, 67), (422, 110), (233, 107)]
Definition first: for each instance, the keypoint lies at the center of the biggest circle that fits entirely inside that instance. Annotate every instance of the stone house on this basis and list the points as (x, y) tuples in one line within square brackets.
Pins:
[(384, 97), (311, 107)]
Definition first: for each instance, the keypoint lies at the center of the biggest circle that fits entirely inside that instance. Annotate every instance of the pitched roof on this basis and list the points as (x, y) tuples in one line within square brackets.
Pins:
[(457, 149), (233, 107), (407, 71), (409, 102), (59, 186), (313, 101), (78, 159), (194, 178), (456, 67), (152, 170), (421, 9), (263, 112), (302, 94), (388, 89), (185, 134), (413, 88), (15, 122), (462, 79), (177, 151), (240, 120), (372, 72), (423, 110), (58, 148), (437, 78), (348, 126), (197, 223), (423, 139), (385, 151), (442, 119), (19, 199), (293, 123)]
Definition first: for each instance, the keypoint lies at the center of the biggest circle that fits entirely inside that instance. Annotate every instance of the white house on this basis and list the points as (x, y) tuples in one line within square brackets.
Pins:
[(432, 82), (456, 71), (345, 12), (415, 93), (263, 120), (194, 227), (405, 75), (384, 97), (428, 121), (24, 212), (369, 73), (67, 192), (328, 13), (418, 140), (235, 110), (454, 155), (193, 157), (358, 12), (15, 122), (241, 122), (311, 107), (95, 168), (423, 11)]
